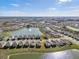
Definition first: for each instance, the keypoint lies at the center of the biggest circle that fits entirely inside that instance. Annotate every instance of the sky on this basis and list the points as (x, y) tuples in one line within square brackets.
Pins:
[(39, 7)]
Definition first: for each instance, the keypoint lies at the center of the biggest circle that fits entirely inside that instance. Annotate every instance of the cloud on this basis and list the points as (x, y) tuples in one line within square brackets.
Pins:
[(12, 13), (63, 1), (15, 5), (74, 7), (40, 13), (51, 9)]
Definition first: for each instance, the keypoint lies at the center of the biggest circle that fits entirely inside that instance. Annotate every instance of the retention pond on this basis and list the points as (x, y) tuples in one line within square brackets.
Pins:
[(68, 54)]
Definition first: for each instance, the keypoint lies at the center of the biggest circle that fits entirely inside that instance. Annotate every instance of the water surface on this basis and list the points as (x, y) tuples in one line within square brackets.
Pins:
[(68, 54), (26, 31)]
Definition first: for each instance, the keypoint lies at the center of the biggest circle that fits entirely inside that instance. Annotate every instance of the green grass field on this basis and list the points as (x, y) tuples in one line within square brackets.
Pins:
[(26, 56)]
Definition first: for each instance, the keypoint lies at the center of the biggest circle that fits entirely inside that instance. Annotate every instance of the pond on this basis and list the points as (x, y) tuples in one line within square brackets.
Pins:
[(26, 31), (68, 54)]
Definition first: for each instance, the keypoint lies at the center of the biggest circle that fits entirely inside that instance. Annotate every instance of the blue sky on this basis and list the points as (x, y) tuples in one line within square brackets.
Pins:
[(39, 7)]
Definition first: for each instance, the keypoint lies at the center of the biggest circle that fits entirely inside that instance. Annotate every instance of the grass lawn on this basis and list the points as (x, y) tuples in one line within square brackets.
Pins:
[(26, 56)]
